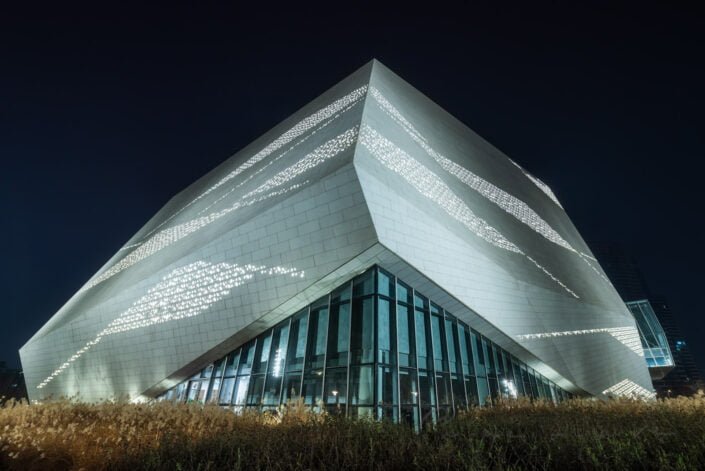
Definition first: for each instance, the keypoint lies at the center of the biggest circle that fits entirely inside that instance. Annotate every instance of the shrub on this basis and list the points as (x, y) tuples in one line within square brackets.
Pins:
[(522, 434)]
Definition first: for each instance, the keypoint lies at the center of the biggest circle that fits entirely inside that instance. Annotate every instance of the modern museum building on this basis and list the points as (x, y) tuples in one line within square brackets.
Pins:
[(371, 256)]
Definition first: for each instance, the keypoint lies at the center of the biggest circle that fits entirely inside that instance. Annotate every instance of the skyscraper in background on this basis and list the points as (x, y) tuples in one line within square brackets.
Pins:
[(11, 383), (628, 279)]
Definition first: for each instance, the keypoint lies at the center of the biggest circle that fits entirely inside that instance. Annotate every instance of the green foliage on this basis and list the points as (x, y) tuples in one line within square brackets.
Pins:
[(577, 434)]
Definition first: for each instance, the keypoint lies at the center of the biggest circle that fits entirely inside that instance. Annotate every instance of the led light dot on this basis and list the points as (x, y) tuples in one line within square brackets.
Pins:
[(629, 336), (184, 292), (431, 186)]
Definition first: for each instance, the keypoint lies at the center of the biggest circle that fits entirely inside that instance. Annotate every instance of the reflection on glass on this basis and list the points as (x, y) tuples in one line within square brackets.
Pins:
[(362, 331), (374, 348), (336, 388), (406, 337), (226, 392), (317, 333), (297, 342), (338, 335), (361, 385), (386, 333)]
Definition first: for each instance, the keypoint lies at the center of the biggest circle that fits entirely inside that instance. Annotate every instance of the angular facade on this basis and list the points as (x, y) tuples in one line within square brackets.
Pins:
[(251, 272)]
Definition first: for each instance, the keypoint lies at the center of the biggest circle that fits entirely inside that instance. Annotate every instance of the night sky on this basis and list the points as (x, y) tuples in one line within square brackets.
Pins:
[(106, 114)]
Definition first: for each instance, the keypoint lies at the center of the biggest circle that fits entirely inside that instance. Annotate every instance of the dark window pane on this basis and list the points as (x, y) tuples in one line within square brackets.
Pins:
[(471, 388), (181, 390), (497, 355), (458, 392), (403, 293), (297, 342), (408, 387), (214, 393), (424, 347), (336, 385), (439, 343), (487, 354), (386, 333), (420, 302), (494, 387), (277, 353), (452, 343), (361, 385), (443, 385), (410, 416), (526, 381), (207, 371), (436, 309), (254, 394), (387, 386), (364, 284), (478, 354), (518, 382), (218, 368), (534, 386), (193, 388), (242, 384), (272, 391), (444, 413), (226, 391), (427, 388), (292, 386), (338, 335), (341, 294), (312, 390), (317, 332), (362, 331), (389, 414), (231, 364), (264, 343), (483, 390), (466, 350), (428, 417), (407, 340), (385, 284), (361, 412)]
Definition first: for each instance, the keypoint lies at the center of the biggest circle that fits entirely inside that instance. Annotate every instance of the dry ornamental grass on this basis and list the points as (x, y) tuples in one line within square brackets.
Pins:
[(577, 434)]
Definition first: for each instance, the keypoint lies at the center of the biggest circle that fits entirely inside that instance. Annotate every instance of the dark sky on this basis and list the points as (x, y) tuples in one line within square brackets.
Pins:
[(106, 114)]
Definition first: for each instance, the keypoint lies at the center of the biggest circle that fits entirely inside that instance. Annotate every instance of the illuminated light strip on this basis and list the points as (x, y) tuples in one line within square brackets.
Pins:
[(588, 256), (509, 203), (432, 187), (314, 159), (628, 388), (167, 237), (585, 259), (271, 162), (337, 107), (501, 198), (628, 336), (541, 185), (131, 246), (185, 292), (296, 131), (173, 234)]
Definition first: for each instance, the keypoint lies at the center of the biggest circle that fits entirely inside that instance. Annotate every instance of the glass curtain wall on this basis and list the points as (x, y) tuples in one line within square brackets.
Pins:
[(653, 338), (374, 347)]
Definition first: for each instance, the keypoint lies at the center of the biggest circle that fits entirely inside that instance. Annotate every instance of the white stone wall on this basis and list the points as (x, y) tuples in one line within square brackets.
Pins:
[(370, 172)]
